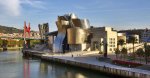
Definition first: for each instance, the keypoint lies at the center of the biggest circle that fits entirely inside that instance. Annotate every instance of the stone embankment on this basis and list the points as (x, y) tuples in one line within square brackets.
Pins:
[(89, 61)]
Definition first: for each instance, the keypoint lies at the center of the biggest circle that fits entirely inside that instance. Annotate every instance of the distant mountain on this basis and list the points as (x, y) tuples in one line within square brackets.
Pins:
[(10, 30)]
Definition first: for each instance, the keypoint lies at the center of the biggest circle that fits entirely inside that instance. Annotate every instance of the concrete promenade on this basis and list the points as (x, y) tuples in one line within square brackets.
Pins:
[(89, 60)]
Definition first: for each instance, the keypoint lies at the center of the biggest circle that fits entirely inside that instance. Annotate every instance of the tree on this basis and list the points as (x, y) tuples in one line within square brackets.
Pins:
[(121, 42), (132, 40), (21, 43), (147, 52), (139, 52), (1, 42), (100, 45), (105, 53), (124, 52), (117, 52), (4, 43)]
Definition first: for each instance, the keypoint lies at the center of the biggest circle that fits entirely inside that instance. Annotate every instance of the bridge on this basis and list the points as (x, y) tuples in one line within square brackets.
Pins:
[(13, 43), (21, 38)]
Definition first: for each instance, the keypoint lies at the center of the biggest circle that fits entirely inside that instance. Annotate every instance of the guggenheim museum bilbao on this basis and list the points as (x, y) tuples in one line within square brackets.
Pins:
[(75, 34)]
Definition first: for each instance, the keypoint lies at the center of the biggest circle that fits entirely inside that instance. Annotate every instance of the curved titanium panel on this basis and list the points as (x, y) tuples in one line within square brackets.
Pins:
[(57, 46), (85, 23), (62, 25), (76, 35), (73, 16)]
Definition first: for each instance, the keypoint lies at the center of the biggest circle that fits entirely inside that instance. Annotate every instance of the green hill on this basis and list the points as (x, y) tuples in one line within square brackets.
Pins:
[(4, 29), (10, 30)]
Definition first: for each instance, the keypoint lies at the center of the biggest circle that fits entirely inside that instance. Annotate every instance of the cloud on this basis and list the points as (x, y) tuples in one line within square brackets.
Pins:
[(11, 7), (34, 3)]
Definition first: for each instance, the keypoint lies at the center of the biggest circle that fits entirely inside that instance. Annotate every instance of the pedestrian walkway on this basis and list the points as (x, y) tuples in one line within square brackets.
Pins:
[(91, 59)]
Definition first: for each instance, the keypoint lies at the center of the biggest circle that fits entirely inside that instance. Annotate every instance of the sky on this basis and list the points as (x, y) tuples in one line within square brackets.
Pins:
[(119, 14)]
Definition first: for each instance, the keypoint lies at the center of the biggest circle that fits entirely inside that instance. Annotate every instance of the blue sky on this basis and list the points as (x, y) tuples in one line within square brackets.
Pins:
[(119, 14)]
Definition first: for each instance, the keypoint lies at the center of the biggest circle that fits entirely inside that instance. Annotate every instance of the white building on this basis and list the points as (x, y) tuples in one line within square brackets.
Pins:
[(104, 39)]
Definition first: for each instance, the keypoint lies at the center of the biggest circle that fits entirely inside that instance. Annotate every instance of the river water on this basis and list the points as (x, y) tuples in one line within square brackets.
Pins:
[(12, 65)]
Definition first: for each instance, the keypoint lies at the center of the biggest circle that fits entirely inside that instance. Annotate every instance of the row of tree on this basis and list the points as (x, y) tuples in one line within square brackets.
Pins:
[(10, 43), (141, 52), (123, 52), (19, 43)]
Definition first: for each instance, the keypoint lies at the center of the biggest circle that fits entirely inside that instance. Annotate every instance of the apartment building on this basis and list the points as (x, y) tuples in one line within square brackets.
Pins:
[(104, 39)]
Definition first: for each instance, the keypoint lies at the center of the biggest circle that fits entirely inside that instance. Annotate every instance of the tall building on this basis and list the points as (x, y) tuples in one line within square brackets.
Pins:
[(104, 39), (43, 29)]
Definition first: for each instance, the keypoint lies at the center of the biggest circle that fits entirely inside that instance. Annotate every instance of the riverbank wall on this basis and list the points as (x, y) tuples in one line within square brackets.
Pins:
[(92, 65)]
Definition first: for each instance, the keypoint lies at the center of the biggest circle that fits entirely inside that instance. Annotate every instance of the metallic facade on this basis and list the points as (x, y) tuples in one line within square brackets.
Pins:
[(62, 25), (76, 35), (71, 30)]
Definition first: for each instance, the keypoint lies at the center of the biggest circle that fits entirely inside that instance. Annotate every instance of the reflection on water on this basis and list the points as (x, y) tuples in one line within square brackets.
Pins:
[(12, 65), (26, 69)]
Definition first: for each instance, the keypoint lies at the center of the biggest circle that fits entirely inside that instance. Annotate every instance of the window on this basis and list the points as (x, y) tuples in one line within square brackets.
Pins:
[(110, 42), (114, 39), (110, 49), (110, 45), (113, 45)]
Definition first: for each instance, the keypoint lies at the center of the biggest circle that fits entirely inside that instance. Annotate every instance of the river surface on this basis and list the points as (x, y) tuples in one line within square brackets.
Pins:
[(12, 65)]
